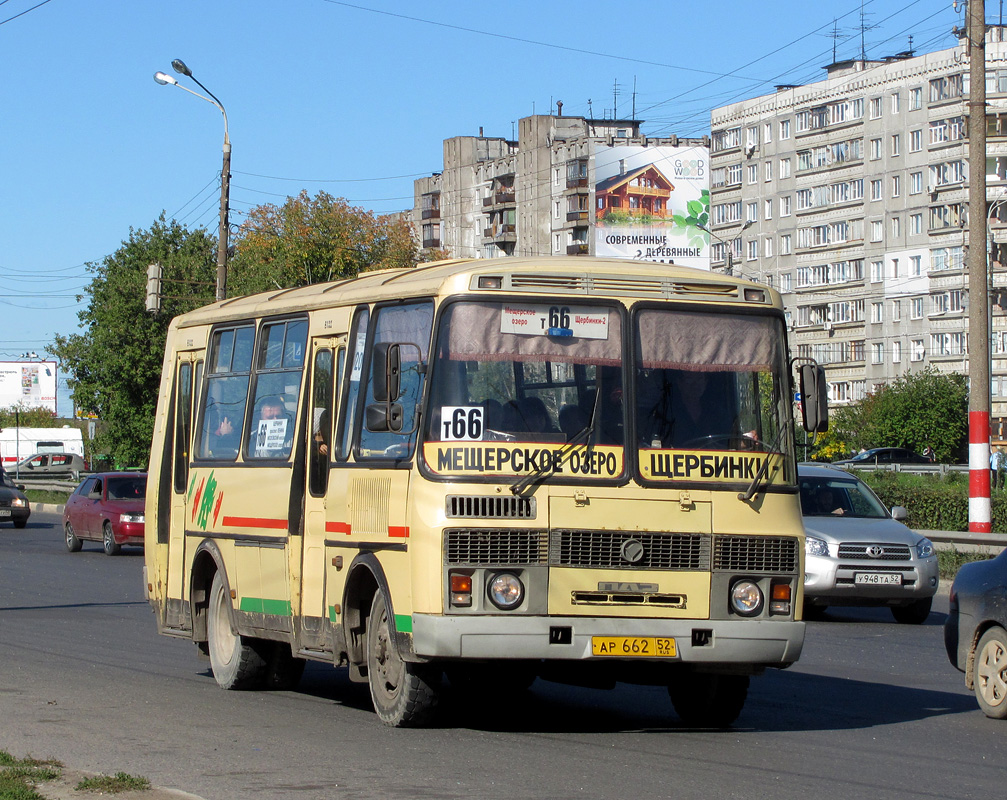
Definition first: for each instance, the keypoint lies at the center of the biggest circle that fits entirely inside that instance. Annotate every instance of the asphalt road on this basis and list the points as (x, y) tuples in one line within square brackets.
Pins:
[(873, 709)]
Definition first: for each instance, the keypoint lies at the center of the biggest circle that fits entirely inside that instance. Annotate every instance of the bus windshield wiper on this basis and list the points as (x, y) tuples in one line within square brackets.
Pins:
[(760, 475), (527, 484)]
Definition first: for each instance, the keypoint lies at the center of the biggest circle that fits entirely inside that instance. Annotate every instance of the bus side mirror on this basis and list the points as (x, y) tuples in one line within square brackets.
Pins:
[(385, 372), (814, 398), (382, 417)]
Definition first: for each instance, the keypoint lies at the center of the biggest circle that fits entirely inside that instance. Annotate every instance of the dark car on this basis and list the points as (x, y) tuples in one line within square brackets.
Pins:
[(14, 506), (106, 508), (47, 464), (975, 631), (884, 455)]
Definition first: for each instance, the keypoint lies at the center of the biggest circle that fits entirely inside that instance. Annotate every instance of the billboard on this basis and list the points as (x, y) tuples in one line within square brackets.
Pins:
[(648, 201), (28, 384)]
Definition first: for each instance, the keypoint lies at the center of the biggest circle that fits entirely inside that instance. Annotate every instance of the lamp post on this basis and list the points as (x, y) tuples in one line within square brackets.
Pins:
[(729, 269), (225, 174)]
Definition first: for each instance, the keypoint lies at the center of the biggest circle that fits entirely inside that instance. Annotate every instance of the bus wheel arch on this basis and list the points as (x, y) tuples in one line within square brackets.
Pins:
[(206, 562), (366, 578)]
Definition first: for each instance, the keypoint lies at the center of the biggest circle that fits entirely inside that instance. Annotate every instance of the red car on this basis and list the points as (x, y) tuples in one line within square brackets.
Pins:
[(106, 508)]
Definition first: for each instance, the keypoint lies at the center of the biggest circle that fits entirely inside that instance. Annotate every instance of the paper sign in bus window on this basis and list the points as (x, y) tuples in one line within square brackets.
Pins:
[(462, 423), (583, 322), (270, 435)]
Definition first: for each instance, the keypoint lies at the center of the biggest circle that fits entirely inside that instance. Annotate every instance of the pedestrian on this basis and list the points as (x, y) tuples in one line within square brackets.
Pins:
[(996, 468), (928, 453)]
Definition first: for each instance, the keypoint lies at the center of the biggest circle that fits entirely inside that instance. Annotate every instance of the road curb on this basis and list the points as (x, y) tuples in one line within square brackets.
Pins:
[(48, 508)]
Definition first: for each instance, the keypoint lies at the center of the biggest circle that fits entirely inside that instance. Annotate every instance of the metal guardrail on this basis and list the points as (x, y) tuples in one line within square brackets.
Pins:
[(912, 469)]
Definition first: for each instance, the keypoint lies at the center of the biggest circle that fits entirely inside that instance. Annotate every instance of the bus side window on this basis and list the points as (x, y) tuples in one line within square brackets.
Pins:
[(183, 426), (351, 391), (409, 324), (223, 414), (278, 370)]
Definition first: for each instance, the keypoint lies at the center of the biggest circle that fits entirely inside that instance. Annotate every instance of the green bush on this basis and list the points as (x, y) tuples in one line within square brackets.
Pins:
[(934, 502)]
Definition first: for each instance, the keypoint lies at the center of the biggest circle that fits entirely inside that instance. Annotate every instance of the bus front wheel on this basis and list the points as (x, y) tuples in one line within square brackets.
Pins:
[(235, 662), (404, 693), (707, 700)]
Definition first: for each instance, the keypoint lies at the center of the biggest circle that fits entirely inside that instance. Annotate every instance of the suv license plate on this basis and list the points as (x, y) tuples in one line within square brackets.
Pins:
[(878, 578), (4, 512), (633, 646)]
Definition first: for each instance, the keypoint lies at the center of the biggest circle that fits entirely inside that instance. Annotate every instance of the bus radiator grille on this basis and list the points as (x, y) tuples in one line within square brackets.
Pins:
[(484, 507), (769, 554), (503, 547), (629, 550)]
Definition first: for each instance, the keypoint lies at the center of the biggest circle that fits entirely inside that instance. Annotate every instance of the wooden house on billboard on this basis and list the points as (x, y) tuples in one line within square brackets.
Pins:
[(644, 191)]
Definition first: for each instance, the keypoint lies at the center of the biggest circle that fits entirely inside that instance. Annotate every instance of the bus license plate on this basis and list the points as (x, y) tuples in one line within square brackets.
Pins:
[(878, 578), (633, 646)]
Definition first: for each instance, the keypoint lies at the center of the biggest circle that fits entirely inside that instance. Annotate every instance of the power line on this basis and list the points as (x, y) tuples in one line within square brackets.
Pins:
[(26, 11)]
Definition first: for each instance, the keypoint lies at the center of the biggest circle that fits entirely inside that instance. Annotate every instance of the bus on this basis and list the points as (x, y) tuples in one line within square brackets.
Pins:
[(474, 473)]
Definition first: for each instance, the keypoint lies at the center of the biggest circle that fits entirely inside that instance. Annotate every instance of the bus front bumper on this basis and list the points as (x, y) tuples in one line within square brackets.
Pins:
[(761, 642)]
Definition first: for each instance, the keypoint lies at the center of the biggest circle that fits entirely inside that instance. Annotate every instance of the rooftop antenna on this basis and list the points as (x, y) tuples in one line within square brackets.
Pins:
[(590, 112), (615, 99), (634, 93)]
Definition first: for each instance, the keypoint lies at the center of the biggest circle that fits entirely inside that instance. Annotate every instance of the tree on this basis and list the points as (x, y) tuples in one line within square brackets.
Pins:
[(917, 409), (114, 365), (315, 239), (28, 417)]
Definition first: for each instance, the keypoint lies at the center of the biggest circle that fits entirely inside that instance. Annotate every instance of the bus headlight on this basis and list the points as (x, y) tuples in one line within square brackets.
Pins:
[(505, 590), (746, 598)]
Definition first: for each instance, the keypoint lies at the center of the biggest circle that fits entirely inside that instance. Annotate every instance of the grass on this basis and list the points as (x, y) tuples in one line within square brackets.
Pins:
[(20, 777), (949, 561), (113, 784), (36, 496)]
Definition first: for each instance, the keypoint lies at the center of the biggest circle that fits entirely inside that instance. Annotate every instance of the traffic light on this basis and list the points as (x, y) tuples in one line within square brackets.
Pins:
[(154, 288)]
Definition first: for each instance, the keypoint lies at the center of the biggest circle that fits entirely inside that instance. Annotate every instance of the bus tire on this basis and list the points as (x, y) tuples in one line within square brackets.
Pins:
[(73, 544), (236, 664), (707, 700), (404, 694)]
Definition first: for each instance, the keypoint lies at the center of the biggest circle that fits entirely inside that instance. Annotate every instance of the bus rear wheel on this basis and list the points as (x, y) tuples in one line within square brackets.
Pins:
[(404, 694), (236, 664), (708, 700)]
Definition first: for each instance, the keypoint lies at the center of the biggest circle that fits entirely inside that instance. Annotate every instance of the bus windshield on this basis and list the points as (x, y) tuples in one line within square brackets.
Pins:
[(515, 382), (710, 382)]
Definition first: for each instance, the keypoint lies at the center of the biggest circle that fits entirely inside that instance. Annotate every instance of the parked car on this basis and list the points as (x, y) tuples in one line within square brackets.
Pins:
[(46, 464), (106, 508), (859, 554), (884, 455), (975, 631), (14, 506)]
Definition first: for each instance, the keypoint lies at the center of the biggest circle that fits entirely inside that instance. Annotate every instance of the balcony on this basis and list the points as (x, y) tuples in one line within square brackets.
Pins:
[(500, 233), (428, 243), (577, 249), (431, 213), (499, 199), (576, 183), (577, 216)]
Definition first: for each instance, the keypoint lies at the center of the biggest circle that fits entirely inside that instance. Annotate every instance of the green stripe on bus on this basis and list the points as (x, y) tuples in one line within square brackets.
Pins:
[(260, 605), (332, 614), (404, 623)]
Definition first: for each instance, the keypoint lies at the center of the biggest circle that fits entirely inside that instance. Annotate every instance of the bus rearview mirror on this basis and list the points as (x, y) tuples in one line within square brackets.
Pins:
[(385, 372), (814, 398)]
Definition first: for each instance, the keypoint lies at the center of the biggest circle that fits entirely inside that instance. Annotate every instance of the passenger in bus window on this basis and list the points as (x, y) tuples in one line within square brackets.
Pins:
[(272, 434), (223, 439)]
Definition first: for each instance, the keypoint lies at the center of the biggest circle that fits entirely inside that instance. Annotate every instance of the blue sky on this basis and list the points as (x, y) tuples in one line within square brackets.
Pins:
[(351, 98)]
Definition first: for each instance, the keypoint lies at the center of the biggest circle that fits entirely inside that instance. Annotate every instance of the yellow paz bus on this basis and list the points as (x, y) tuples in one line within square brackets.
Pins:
[(480, 472)]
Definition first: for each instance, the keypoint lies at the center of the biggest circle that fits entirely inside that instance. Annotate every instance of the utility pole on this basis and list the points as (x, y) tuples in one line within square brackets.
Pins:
[(980, 512)]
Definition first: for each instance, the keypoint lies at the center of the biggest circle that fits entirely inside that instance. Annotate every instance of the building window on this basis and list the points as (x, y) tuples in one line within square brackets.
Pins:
[(752, 136), (785, 206), (769, 170), (784, 168), (915, 99), (875, 149), (876, 189), (877, 352), (896, 310), (785, 129), (802, 122), (734, 175), (767, 132), (753, 249), (915, 182), (956, 301), (916, 308), (876, 108), (916, 354), (877, 231), (753, 173), (895, 268), (786, 282), (785, 245), (896, 227), (895, 102), (768, 247), (768, 207), (896, 352), (896, 185), (915, 225), (877, 271), (915, 141), (916, 266), (752, 212), (877, 312)]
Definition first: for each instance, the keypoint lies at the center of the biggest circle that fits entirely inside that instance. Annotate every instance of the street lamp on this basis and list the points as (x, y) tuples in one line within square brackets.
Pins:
[(729, 269), (225, 174)]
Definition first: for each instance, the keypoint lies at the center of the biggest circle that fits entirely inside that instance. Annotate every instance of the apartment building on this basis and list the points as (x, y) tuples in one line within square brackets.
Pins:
[(850, 196), (556, 190)]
